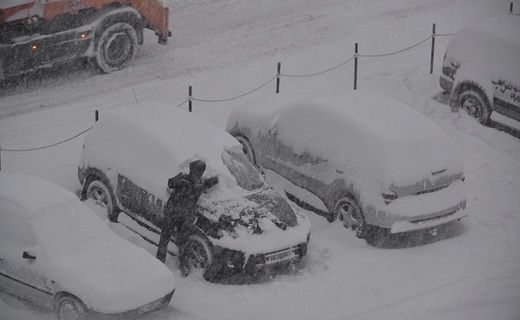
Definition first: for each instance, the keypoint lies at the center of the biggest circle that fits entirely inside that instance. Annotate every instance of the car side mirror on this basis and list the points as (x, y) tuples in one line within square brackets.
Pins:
[(28, 256)]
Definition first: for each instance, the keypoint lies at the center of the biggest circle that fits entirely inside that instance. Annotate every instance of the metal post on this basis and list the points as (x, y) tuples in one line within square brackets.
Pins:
[(0, 159), (356, 47), (96, 115), (190, 100), (432, 57), (511, 7), (278, 77)]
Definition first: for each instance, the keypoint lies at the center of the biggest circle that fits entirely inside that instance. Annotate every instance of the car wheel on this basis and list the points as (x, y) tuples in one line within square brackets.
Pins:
[(197, 254), (116, 47), (474, 103), (101, 194), (349, 211), (70, 308)]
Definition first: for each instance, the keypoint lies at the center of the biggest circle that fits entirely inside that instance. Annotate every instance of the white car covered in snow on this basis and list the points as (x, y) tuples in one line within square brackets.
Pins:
[(55, 252), (481, 69), (243, 225), (374, 162)]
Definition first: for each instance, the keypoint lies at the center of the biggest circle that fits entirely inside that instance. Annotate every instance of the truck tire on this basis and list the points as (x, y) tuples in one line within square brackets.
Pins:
[(116, 47)]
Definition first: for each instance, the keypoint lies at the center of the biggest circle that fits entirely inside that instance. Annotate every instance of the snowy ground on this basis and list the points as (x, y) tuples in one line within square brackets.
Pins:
[(224, 48)]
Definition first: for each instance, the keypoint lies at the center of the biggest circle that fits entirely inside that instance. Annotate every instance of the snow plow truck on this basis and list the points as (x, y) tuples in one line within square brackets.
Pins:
[(38, 34)]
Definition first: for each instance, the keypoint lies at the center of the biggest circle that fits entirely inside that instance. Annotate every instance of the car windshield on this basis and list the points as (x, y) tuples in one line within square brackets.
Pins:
[(242, 170)]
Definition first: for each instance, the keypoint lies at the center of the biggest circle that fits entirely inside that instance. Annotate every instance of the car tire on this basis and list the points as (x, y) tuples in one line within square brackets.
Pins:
[(70, 308), (474, 102), (102, 194), (196, 253), (348, 210), (116, 47)]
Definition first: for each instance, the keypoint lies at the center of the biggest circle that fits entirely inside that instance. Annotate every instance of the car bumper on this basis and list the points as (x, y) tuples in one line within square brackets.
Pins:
[(231, 264), (422, 211), (134, 313)]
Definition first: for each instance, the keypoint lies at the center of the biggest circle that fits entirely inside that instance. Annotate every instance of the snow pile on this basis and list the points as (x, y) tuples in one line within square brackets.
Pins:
[(377, 142), (488, 52)]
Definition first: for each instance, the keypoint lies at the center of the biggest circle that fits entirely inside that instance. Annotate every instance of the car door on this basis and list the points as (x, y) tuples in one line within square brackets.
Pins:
[(303, 171), (21, 274)]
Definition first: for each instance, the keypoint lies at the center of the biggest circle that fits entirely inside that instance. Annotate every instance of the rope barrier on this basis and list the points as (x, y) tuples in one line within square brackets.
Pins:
[(395, 52), (183, 103), (319, 72), (236, 97), (277, 76), (47, 146)]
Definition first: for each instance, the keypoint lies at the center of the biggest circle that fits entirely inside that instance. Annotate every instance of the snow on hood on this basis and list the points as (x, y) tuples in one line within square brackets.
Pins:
[(106, 272), (375, 140), (490, 49)]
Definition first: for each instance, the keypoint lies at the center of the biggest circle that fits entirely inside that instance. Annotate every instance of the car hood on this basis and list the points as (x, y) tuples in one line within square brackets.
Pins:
[(256, 212), (113, 277)]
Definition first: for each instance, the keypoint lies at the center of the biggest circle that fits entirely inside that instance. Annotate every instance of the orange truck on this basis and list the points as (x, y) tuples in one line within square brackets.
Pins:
[(37, 34)]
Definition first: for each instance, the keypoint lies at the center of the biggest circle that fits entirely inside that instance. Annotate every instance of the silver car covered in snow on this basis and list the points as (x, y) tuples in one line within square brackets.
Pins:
[(56, 253), (372, 161)]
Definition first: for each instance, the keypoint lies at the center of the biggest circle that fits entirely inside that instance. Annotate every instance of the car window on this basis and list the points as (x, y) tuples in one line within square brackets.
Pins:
[(242, 170), (15, 230)]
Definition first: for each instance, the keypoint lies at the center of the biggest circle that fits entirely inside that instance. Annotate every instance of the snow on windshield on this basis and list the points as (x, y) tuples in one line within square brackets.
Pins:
[(246, 175)]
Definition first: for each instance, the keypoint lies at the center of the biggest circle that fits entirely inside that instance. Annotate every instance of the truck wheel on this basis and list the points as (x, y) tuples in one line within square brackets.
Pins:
[(116, 47)]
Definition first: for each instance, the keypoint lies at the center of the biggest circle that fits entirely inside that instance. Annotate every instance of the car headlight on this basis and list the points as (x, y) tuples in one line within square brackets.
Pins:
[(389, 196)]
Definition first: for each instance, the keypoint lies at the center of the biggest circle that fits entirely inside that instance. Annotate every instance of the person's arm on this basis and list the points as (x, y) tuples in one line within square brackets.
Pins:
[(210, 182)]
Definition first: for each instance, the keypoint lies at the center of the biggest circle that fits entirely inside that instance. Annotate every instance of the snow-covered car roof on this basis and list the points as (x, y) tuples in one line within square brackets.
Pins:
[(156, 141), (20, 190), (381, 135), (489, 49)]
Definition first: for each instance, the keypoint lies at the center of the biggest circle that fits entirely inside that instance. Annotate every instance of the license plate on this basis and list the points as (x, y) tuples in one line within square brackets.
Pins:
[(151, 306), (280, 256)]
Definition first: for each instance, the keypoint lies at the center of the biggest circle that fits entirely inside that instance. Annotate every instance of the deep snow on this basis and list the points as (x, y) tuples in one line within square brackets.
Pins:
[(226, 47)]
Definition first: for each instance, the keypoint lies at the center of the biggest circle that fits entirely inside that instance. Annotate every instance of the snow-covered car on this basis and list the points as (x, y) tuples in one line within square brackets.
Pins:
[(55, 252), (243, 225), (481, 69), (374, 162)]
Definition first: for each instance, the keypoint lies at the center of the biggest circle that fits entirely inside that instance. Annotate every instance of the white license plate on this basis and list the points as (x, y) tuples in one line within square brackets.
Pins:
[(151, 306), (280, 256)]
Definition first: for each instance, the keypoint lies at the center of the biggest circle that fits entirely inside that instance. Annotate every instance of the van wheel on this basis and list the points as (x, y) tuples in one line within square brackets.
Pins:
[(196, 253), (116, 47), (475, 103), (101, 194), (70, 308), (348, 210)]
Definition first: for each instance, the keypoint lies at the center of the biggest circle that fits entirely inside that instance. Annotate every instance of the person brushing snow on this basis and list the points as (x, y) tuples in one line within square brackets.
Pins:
[(179, 210)]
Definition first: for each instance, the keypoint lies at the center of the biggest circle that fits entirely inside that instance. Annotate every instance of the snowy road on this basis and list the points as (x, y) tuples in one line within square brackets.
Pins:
[(225, 47)]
